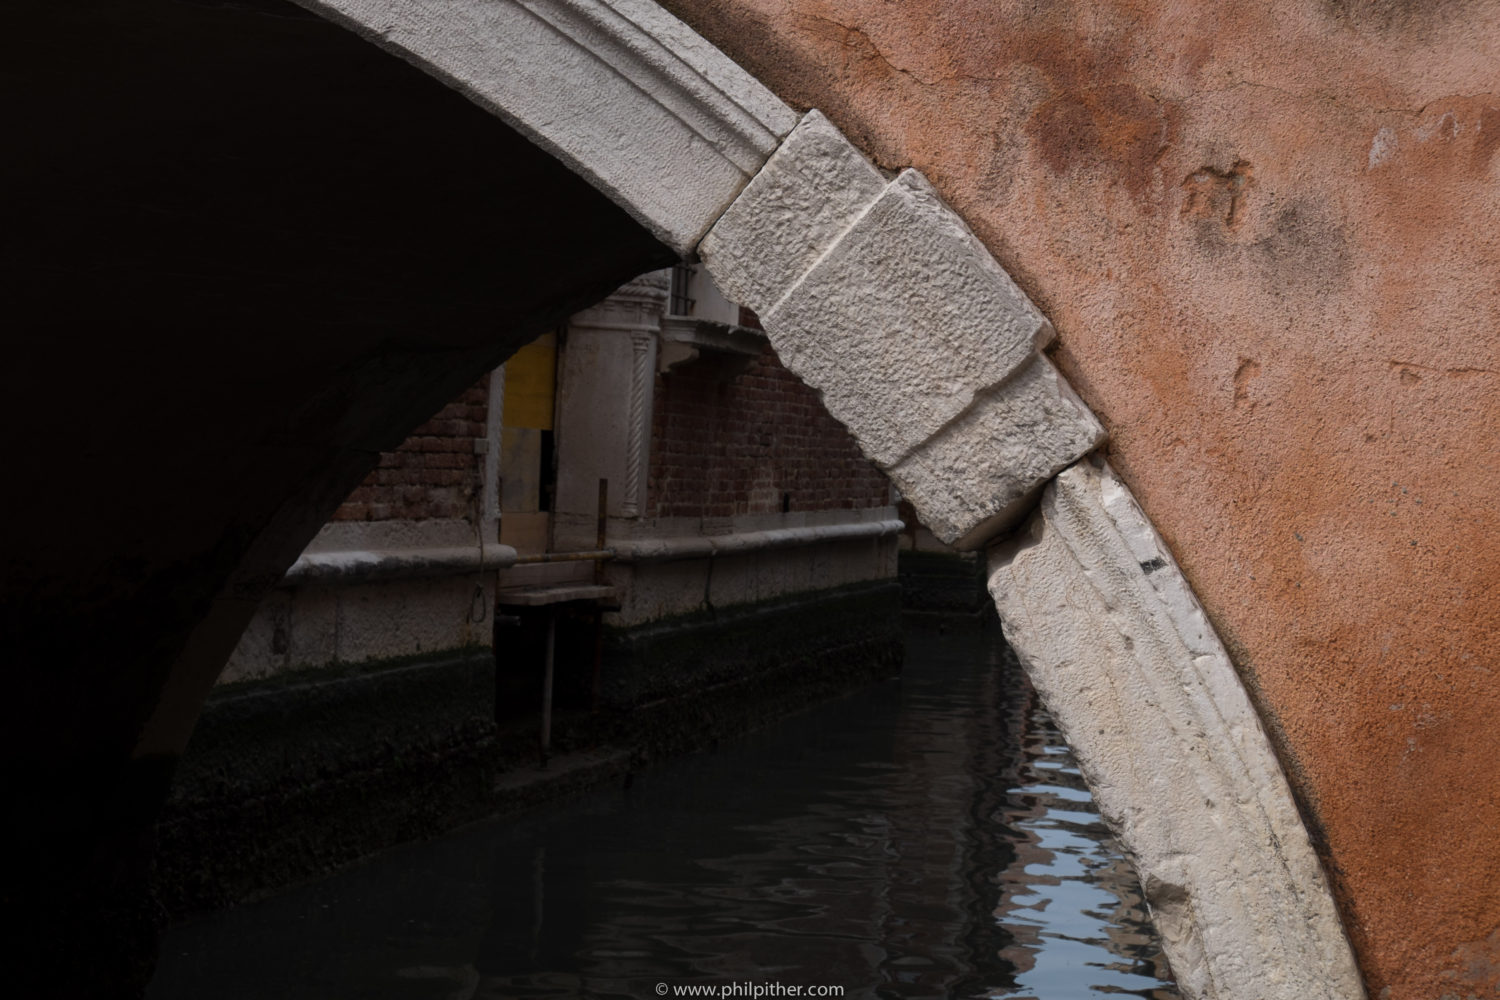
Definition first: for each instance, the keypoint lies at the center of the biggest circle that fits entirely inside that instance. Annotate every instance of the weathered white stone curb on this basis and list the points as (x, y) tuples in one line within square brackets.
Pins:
[(358, 566), (703, 546), (622, 92), (1128, 665), (877, 295)]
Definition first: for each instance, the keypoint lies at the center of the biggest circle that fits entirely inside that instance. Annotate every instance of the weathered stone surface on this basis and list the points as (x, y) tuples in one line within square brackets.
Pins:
[(903, 320), (1120, 650), (877, 295), (809, 192), (982, 471), (621, 91)]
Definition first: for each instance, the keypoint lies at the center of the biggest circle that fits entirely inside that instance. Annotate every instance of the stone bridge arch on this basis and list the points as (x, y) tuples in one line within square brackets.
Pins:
[(877, 294)]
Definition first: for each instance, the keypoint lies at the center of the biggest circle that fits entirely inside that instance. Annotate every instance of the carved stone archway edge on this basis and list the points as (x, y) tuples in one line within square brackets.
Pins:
[(874, 292), (620, 91)]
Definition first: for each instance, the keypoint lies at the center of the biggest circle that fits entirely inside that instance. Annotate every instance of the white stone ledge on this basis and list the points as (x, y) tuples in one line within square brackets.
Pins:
[(620, 91), (704, 546), (1125, 660), (396, 535), (680, 526), (371, 565)]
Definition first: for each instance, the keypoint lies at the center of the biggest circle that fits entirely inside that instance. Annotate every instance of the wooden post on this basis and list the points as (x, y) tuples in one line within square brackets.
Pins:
[(547, 687)]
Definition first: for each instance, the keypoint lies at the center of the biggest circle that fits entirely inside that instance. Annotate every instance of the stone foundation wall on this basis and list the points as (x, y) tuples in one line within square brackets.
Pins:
[(296, 775), (285, 780), (943, 583)]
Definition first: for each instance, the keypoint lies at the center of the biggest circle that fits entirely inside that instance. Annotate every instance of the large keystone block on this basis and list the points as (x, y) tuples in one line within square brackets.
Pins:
[(1128, 665), (982, 472), (809, 192), (903, 321)]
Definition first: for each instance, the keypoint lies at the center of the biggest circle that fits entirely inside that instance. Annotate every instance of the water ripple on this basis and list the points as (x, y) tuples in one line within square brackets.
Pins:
[(928, 837)]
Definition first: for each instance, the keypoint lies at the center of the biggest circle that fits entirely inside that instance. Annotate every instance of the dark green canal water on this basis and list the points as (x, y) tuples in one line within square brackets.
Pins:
[(928, 837)]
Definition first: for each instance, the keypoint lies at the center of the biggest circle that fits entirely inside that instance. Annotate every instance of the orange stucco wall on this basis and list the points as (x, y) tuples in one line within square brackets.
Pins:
[(1269, 237)]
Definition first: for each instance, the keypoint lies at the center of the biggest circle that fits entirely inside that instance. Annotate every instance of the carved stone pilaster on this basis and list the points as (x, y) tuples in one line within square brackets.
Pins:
[(605, 387), (639, 428)]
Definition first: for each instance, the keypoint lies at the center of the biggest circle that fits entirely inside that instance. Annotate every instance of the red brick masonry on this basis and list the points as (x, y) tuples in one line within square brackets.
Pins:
[(755, 444), (435, 473)]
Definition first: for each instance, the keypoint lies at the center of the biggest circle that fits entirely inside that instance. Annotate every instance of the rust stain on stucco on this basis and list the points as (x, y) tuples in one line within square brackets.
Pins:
[(1478, 965), (1114, 126)]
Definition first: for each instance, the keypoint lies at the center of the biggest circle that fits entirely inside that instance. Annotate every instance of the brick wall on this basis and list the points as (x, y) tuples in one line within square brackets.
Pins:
[(756, 444), (434, 473)]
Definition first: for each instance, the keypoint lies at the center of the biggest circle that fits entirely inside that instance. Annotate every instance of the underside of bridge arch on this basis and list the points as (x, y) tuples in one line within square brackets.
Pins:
[(244, 252)]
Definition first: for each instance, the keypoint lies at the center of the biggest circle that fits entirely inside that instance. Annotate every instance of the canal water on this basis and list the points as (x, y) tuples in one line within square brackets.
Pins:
[(927, 837)]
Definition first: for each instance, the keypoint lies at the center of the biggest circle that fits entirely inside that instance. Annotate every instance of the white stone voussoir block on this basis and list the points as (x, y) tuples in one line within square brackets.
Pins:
[(982, 471), (1128, 665), (807, 194), (622, 92), (903, 321), (877, 295)]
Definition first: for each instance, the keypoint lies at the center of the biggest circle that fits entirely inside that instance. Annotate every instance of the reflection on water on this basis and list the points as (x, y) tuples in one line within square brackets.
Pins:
[(1070, 901), (926, 837)]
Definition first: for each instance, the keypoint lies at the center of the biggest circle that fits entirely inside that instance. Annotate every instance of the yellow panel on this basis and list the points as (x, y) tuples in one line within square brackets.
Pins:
[(530, 384), (520, 470), (526, 533)]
